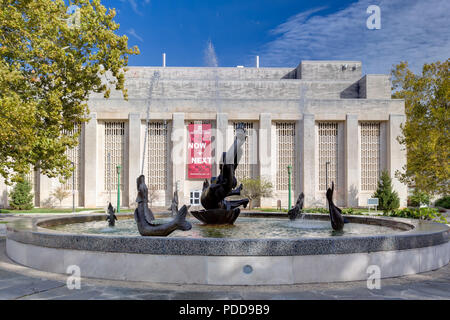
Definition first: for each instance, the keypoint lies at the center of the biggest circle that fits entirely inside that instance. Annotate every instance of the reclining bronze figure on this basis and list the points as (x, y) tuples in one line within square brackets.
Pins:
[(145, 219)]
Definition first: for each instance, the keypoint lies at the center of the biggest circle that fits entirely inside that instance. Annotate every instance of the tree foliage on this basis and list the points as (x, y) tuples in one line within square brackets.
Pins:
[(426, 133), (48, 68), (418, 198), (255, 189), (21, 196), (388, 199)]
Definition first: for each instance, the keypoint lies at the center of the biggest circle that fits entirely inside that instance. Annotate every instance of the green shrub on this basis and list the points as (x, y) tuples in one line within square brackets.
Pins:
[(21, 196), (418, 213), (388, 198), (443, 202), (418, 198)]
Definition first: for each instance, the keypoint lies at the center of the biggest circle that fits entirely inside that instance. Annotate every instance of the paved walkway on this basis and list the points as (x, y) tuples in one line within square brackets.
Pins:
[(19, 282)]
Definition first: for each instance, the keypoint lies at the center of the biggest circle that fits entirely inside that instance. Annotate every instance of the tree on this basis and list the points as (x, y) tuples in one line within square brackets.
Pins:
[(152, 194), (426, 133), (255, 189), (388, 199), (21, 196), (60, 194), (48, 68), (418, 198)]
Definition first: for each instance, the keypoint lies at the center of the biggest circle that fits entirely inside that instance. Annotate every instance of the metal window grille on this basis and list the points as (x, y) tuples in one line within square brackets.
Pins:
[(74, 155), (370, 155), (115, 147), (245, 167), (328, 152), (157, 154), (285, 132)]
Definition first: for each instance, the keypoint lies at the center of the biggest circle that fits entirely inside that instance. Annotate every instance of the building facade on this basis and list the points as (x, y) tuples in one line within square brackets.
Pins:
[(323, 118)]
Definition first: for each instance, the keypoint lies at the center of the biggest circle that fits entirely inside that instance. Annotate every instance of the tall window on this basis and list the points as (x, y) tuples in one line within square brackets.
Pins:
[(285, 154), (328, 154), (74, 156), (370, 155), (157, 155), (246, 168), (114, 153)]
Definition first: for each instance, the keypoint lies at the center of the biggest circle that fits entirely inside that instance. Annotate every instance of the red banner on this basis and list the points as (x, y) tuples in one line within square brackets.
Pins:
[(199, 151)]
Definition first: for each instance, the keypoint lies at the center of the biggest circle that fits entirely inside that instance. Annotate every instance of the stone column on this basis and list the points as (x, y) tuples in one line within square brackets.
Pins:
[(308, 159), (221, 138), (3, 193), (396, 155), (134, 156), (90, 162), (265, 153), (178, 156), (352, 163), (45, 185)]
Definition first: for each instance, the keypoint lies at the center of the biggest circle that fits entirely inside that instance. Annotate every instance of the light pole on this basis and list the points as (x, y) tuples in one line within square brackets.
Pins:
[(73, 187), (118, 188), (289, 167)]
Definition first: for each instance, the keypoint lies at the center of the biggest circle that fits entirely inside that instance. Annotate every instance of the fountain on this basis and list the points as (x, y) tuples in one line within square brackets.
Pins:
[(260, 248)]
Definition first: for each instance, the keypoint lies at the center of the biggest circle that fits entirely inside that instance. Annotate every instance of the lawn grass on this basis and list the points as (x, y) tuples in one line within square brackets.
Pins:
[(44, 210), (58, 210), (355, 211)]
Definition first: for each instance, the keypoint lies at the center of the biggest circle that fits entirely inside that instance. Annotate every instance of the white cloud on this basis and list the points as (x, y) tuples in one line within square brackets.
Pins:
[(135, 5), (133, 33), (412, 30)]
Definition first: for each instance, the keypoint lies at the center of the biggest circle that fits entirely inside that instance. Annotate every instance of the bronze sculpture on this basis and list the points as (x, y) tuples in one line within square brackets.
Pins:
[(174, 205), (218, 210), (296, 211), (111, 218), (145, 219), (337, 220)]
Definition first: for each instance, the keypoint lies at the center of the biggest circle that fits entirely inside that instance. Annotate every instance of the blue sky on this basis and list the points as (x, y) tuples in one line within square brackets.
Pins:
[(284, 32)]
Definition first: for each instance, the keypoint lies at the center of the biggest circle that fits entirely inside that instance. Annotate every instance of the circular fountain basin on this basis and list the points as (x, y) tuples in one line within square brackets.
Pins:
[(260, 249)]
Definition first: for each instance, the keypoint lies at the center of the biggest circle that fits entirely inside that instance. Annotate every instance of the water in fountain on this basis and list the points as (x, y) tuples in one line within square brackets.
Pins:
[(247, 228), (153, 82), (210, 56), (211, 60)]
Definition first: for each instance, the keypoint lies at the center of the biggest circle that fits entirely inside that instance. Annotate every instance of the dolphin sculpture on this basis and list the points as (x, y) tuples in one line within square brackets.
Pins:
[(337, 220), (111, 218), (145, 219), (296, 211), (174, 205)]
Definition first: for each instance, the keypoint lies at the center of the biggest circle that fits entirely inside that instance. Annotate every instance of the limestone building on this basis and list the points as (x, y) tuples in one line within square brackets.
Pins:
[(323, 118)]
